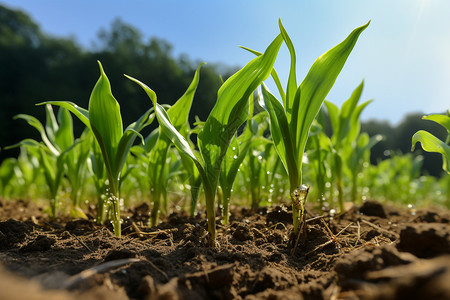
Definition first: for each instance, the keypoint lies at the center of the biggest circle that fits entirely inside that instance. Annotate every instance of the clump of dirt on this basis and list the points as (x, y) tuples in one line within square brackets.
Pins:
[(375, 251)]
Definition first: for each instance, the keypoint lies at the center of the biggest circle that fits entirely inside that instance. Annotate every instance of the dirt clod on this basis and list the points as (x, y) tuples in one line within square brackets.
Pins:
[(425, 240), (372, 208)]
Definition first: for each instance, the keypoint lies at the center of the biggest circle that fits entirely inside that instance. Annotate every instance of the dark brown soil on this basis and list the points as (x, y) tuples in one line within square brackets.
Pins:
[(370, 252)]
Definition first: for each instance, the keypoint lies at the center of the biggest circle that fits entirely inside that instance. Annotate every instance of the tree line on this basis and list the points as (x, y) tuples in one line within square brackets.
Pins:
[(36, 67)]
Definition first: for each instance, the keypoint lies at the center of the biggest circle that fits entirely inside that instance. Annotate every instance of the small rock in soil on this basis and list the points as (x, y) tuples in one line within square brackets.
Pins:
[(425, 240), (41, 243), (373, 208)]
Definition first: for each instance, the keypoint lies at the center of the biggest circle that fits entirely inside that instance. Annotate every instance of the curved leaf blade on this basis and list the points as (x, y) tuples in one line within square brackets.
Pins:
[(318, 83), (430, 143)]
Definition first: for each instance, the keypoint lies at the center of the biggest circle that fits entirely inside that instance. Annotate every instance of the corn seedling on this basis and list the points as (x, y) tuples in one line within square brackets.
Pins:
[(235, 154), (346, 126), (104, 120), (178, 115), (57, 143), (229, 112), (319, 149), (291, 118)]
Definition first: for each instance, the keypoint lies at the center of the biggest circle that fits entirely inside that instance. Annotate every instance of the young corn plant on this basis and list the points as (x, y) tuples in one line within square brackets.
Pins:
[(178, 114), (359, 158), (192, 175), (235, 154), (259, 167), (57, 143), (319, 149), (229, 113), (346, 127), (291, 118), (96, 168), (104, 120)]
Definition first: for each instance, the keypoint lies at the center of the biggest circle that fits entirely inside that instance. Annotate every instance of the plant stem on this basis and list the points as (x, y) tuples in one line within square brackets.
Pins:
[(154, 215), (295, 181), (115, 205), (100, 209), (226, 195), (340, 189), (53, 206), (195, 191), (210, 213)]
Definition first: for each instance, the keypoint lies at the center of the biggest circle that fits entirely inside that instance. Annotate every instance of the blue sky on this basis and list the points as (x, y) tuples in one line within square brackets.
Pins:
[(403, 56)]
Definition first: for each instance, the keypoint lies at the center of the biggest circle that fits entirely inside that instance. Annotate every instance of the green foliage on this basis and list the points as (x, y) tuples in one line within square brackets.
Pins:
[(232, 159), (235, 154), (347, 150), (57, 144), (229, 112), (291, 119), (431, 143), (178, 114), (104, 119)]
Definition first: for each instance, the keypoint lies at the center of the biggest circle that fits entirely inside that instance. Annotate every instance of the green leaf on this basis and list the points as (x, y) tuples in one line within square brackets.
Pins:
[(51, 125), (105, 120), (64, 134), (317, 84), (440, 119), (279, 129), (166, 126), (38, 125), (179, 112), (274, 75), (333, 113), (128, 139), (79, 112), (291, 89), (355, 124), (232, 107), (430, 143)]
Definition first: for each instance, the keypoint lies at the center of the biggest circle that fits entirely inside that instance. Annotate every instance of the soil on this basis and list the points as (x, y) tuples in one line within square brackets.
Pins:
[(373, 251)]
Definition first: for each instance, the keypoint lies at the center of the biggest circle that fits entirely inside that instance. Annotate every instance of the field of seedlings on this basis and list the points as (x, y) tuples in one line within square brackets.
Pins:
[(258, 201)]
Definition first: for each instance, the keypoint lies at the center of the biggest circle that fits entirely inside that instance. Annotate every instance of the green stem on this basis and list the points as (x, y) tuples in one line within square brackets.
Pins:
[(154, 215), (340, 189), (295, 181), (100, 209), (53, 206), (195, 191), (226, 196), (115, 206), (210, 213)]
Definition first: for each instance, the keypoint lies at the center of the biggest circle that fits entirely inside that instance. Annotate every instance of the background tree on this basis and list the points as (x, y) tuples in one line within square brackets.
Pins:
[(36, 67)]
